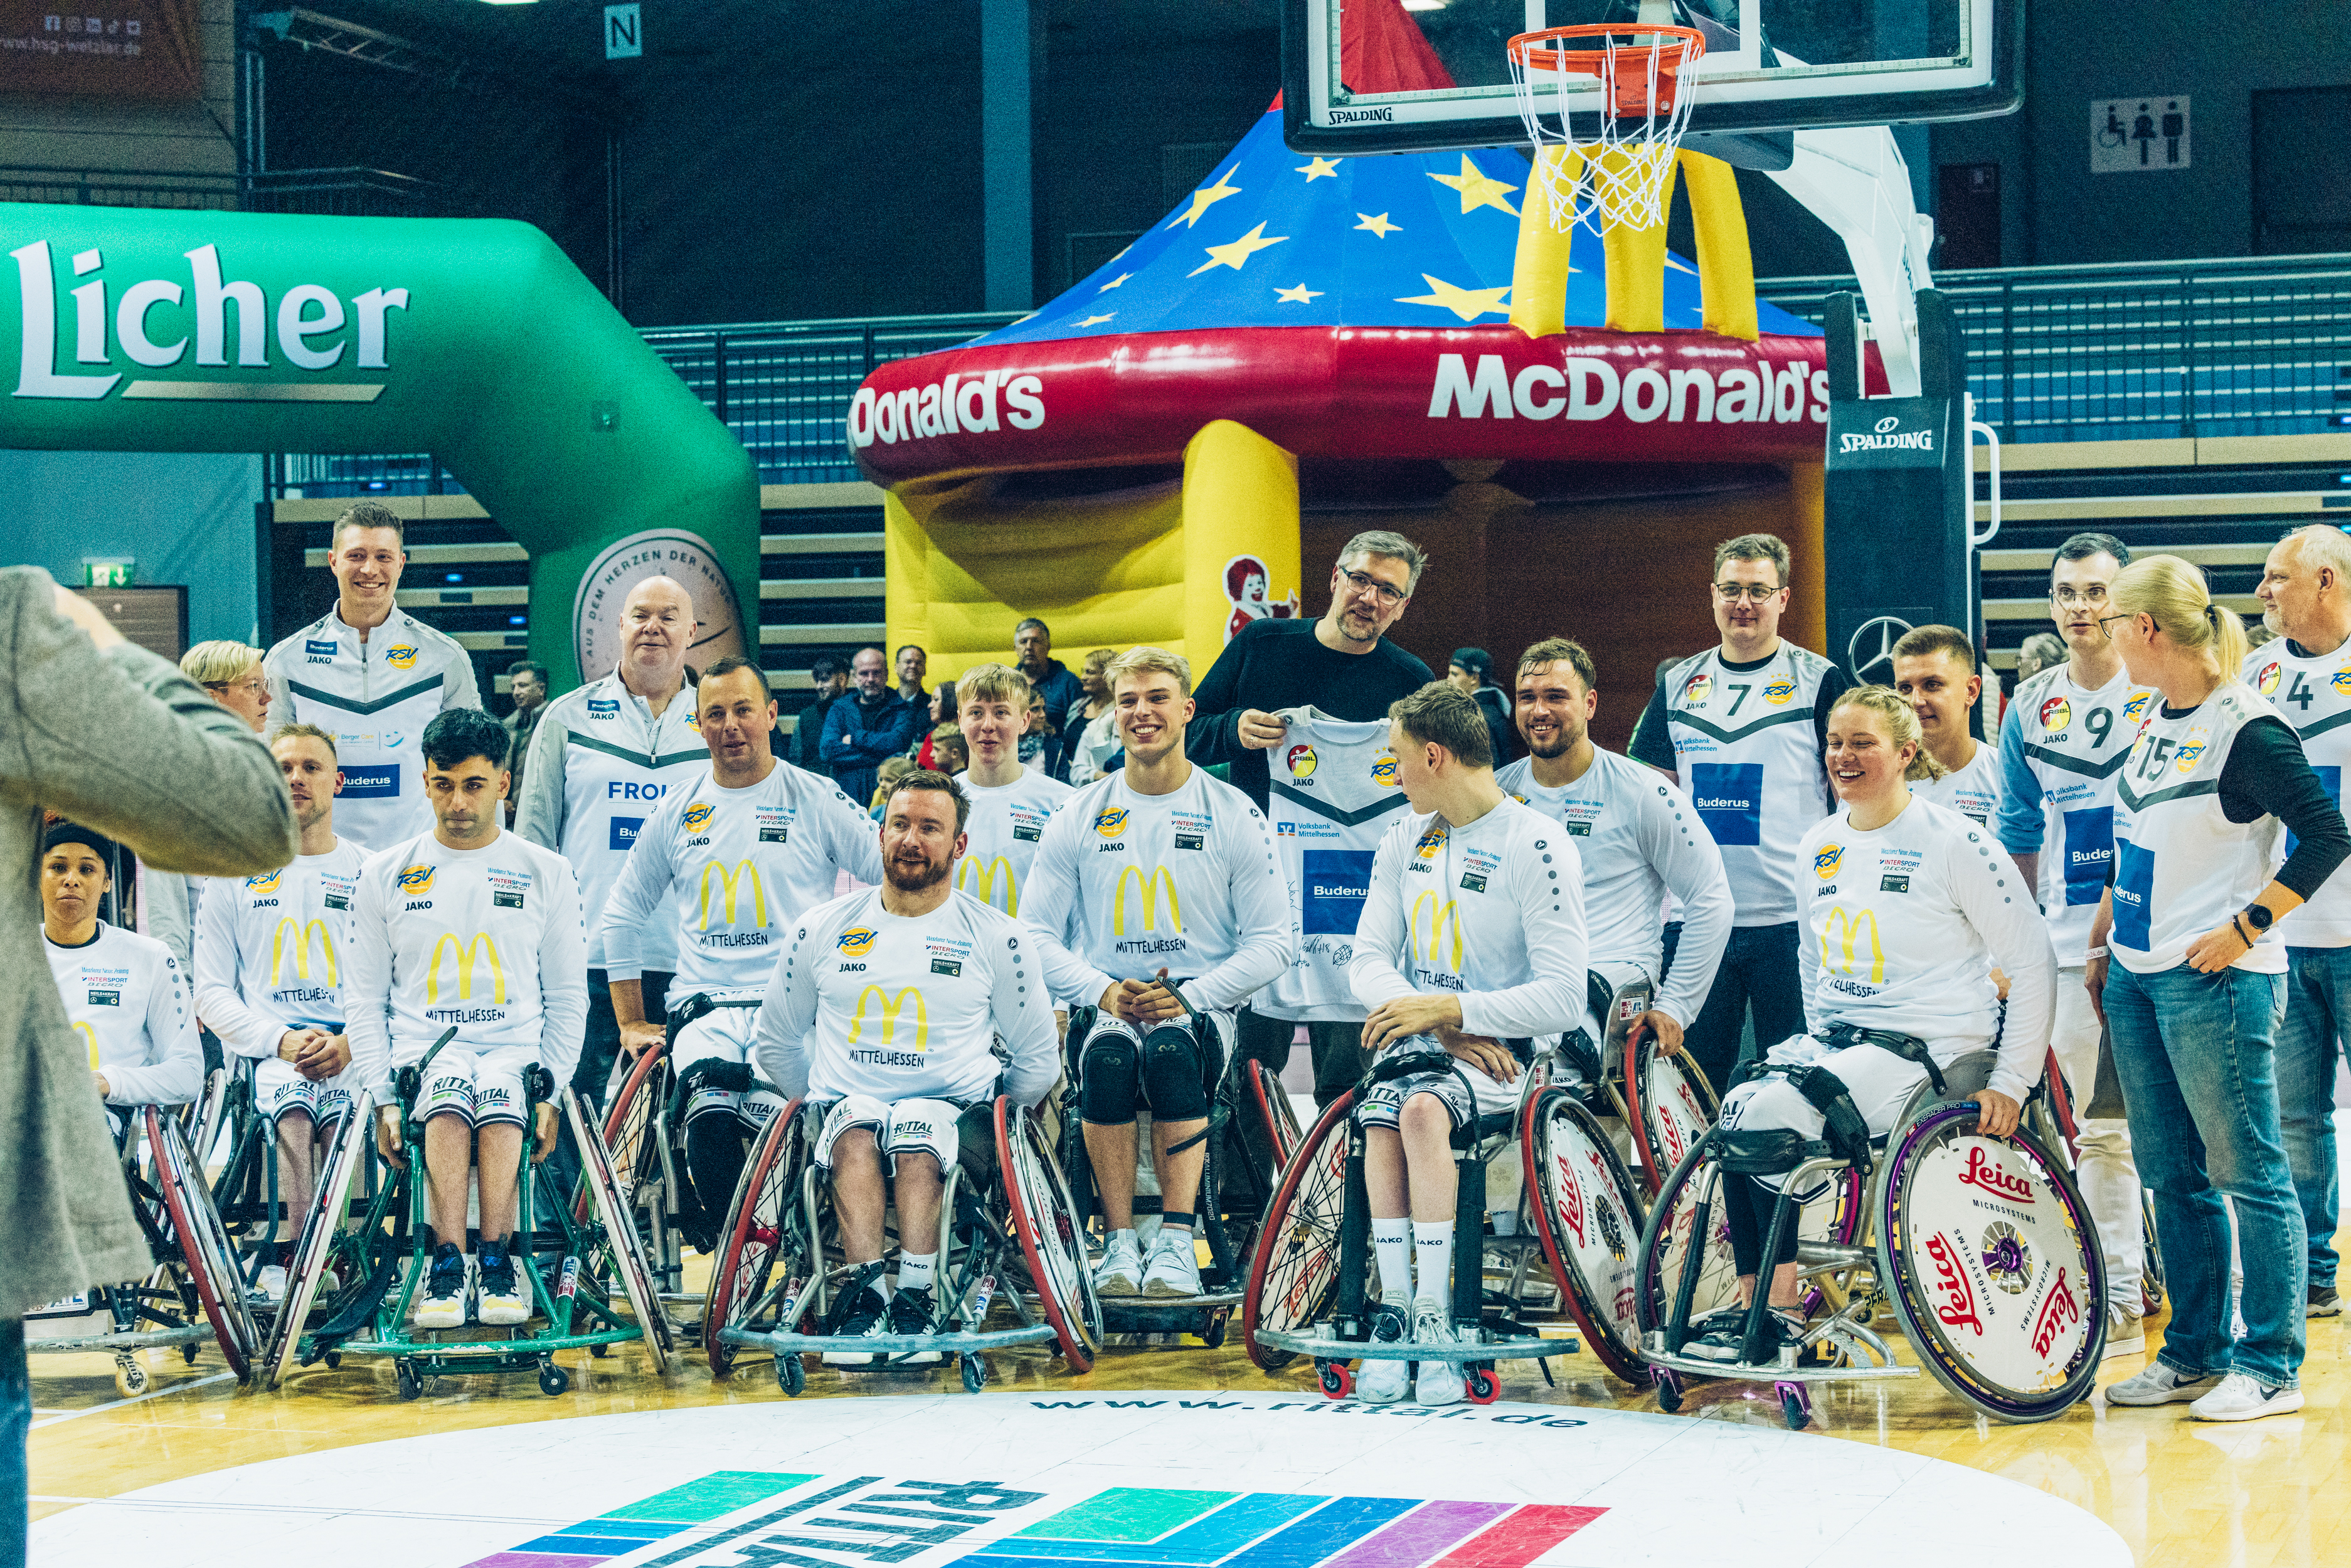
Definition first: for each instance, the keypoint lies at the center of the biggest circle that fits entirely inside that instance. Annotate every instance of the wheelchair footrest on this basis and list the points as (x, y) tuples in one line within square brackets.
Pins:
[(1326, 1346), (146, 1339), (889, 1343), (1772, 1372)]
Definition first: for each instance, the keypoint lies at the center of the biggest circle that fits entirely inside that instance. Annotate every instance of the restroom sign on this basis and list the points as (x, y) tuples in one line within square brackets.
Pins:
[(2138, 135)]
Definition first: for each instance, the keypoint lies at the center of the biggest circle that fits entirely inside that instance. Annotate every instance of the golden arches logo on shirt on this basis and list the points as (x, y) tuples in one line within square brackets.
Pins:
[(2056, 714), (1434, 916), (1778, 693), (416, 881), (293, 939), (889, 1009), (266, 882), (742, 877), (856, 942), (2266, 682), (697, 816), (401, 656), (1112, 822), (90, 1038), (1826, 860), (469, 953), (1384, 771), (1147, 885), (1841, 943), (977, 874), (2192, 750), (1700, 687), (1302, 760)]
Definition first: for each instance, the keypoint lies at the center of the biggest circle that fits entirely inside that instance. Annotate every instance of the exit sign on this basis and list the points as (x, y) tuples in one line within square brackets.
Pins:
[(624, 33), (107, 573)]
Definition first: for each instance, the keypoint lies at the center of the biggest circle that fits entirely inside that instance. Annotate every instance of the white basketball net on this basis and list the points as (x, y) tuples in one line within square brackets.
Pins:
[(1621, 176)]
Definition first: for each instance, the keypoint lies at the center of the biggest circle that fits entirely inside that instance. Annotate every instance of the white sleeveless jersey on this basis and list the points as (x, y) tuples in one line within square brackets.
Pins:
[(485, 940), (375, 698), (1187, 881), (1972, 791), (619, 761), (1005, 825), (1748, 754), (127, 1000), (1901, 926), (1640, 841), (270, 950), (730, 870), (2074, 743), (1333, 794), (867, 1002), (2182, 867), (2312, 691)]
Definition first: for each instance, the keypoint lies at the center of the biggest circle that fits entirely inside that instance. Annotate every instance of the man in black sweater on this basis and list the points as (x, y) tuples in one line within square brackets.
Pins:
[(1341, 665)]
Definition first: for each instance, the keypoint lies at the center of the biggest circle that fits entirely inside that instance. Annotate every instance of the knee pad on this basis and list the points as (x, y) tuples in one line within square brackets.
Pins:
[(1173, 1085), (709, 1087), (1109, 1067)]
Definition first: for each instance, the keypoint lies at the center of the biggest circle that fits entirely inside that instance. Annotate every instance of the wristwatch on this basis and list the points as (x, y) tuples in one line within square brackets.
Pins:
[(2259, 915)]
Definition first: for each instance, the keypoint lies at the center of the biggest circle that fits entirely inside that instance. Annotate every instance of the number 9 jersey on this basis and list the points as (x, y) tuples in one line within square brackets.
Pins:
[(2060, 751)]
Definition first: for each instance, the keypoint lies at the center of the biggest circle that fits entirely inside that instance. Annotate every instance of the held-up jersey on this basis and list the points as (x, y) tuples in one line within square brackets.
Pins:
[(2061, 747), (1640, 838), (2182, 867), (2312, 691), (487, 940), (867, 1002), (270, 950), (619, 759), (128, 1001), (1335, 793), (1005, 825), (729, 871), (1747, 747), (375, 698), (1899, 931), (1187, 881), (1972, 791), (1492, 911)]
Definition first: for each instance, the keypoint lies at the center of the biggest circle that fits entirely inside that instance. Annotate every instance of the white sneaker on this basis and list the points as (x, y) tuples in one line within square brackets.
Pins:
[(271, 1286), (1120, 1273), (1439, 1382), (1174, 1267), (2159, 1384), (1386, 1382), (504, 1295), (2242, 1397), (2126, 1333), (448, 1285)]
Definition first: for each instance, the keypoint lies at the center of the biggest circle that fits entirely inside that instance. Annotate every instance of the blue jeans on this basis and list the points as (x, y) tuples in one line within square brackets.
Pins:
[(15, 1423), (2195, 1056), (2317, 1009), (1759, 969)]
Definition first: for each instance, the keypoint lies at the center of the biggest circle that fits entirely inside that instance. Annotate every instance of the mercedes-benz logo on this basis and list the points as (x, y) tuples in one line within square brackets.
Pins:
[(1872, 645)]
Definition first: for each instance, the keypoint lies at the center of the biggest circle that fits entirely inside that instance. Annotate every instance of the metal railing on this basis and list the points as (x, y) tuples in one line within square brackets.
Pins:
[(327, 193)]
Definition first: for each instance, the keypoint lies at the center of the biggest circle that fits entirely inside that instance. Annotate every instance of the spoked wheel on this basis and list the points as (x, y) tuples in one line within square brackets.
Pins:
[(1669, 1102), (319, 1228), (1670, 1247), (763, 1260), (1294, 1267), (1589, 1220), (1046, 1221), (632, 1127), (1275, 1112), (1993, 1265), (204, 1118), (204, 1252), (625, 1246)]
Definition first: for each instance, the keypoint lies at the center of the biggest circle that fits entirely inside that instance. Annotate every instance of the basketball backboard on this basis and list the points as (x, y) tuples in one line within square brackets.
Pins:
[(1769, 66)]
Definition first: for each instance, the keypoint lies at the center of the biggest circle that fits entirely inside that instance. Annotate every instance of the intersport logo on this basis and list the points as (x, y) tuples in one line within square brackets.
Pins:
[(1886, 437)]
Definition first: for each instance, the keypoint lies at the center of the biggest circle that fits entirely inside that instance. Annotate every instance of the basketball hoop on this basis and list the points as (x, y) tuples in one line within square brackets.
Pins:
[(1620, 175)]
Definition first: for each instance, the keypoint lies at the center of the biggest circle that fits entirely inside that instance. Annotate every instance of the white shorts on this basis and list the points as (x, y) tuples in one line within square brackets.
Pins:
[(725, 1034), (484, 1087), (278, 1089), (1383, 1103), (1879, 1081), (903, 1128)]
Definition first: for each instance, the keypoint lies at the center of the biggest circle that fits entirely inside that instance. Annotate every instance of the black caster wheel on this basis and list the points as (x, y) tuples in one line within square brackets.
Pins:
[(1212, 1334), (599, 1351), (1337, 1380), (1794, 1411), (791, 1376), (334, 1361), (1669, 1393), (552, 1379), (412, 1384), (189, 1352), (974, 1374)]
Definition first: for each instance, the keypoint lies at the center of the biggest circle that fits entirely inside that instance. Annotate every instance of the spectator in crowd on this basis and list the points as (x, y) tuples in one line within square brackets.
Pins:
[(950, 753), (891, 769), (2041, 650), (912, 664), (166, 901), (829, 675), (1050, 679), (1471, 671), (943, 720), (107, 735), (1037, 739), (1090, 734), (527, 684), (1341, 664), (869, 724)]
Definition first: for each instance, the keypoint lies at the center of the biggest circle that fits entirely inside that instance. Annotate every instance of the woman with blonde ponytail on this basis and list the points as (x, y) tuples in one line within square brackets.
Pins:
[(2212, 780)]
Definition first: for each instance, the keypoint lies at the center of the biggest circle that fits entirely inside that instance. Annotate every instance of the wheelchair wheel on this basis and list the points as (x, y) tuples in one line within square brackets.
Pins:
[(1275, 1112), (632, 1127), (203, 1246), (1294, 1267), (202, 1119), (1993, 1265), (1589, 1220), (1669, 1102), (319, 1228), (1046, 1221), (762, 1256), (619, 1221), (1668, 1247)]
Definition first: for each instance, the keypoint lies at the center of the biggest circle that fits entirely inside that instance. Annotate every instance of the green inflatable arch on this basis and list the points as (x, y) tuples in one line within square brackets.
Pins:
[(143, 331)]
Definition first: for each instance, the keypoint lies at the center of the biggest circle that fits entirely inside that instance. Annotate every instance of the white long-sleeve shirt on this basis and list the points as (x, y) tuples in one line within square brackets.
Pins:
[(488, 940), (1005, 825), (867, 1002), (1899, 929), (1492, 911), (127, 997), (270, 950), (1187, 881)]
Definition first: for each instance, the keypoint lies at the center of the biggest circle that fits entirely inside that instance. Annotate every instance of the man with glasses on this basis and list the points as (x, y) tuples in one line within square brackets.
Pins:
[(2062, 747), (1342, 665), (1742, 727)]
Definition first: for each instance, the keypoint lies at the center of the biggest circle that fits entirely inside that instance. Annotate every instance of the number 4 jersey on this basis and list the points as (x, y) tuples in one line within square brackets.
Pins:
[(1334, 792), (2312, 691)]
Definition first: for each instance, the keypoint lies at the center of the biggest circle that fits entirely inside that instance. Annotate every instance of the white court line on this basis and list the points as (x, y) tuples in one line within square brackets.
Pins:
[(182, 1505), (136, 1399)]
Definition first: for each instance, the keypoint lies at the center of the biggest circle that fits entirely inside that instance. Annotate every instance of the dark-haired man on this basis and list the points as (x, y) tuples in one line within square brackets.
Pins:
[(526, 686), (1935, 672), (867, 728), (1032, 645)]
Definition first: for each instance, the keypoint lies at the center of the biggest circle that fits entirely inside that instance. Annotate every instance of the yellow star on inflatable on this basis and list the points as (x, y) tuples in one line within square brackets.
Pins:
[(1208, 196), (1096, 321), (1379, 225), (1299, 295), (1320, 168), (1238, 252), (1478, 189), (1467, 303), (1114, 283)]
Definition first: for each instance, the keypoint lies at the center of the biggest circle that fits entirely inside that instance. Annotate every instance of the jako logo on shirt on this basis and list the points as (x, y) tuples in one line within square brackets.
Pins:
[(697, 816), (2056, 714), (855, 942), (1700, 687), (603, 707), (1111, 823), (1825, 861), (1302, 762), (401, 656), (416, 881), (1384, 771), (2267, 681), (264, 884), (1779, 692)]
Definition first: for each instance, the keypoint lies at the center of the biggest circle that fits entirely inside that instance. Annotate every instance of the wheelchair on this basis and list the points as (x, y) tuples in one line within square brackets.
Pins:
[(246, 1190), (1008, 1236), (1981, 1248), (193, 1294), (579, 1277), (1578, 1207)]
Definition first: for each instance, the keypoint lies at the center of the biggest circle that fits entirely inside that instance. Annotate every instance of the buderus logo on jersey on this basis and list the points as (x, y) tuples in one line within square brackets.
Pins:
[(2266, 682), (2056, 714), (370, 781), (1729, 801), (1826, 860), (1778, 693), (625, 832), (315, 652), (401, 656), (1333, 887), (2134, 890), (1302, 760), (603, 708), (1112, 822)]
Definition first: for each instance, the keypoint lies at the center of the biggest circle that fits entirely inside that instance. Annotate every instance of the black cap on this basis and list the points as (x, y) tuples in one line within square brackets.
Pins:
[(1477, 661)]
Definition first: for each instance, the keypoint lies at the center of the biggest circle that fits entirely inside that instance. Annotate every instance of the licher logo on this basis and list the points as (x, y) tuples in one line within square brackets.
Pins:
[(1443, 915), (1843, 929), (468, 954), (294, 937), (401, 656), (1825, 859), (1147, 887), (1958, 1307), (1112, 822), (732, 880), (1700, 688), (1430, 841), (1384, 771), (2136, 708), (1778, 693), (889, 1007), (2266, 682), (266, 882), (1988, 1175), (2199, 740), (977, 875), (855, 942), (697, 816), (1301, 761), (2056, 714), (416, 881)]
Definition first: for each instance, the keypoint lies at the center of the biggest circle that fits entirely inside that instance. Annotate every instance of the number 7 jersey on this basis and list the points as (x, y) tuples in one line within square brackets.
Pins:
[(2312, 691)]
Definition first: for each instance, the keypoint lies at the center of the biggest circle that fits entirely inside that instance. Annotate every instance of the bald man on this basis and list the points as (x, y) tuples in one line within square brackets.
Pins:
[(600, 759)]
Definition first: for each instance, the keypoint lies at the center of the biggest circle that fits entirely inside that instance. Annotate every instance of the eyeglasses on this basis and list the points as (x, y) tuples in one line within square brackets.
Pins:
[(2095, 594), (2123, 615), (253, 687), (1364, 583), (1753, 593)]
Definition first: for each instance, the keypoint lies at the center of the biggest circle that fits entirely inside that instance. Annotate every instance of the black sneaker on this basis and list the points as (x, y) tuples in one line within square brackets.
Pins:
[(860, 1314), (1722, 1336), (444, 1303), (2325, 1301), (910, 1314)]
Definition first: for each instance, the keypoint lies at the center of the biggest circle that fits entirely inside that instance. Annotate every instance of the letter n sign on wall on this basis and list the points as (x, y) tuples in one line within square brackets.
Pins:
[(624, 33)]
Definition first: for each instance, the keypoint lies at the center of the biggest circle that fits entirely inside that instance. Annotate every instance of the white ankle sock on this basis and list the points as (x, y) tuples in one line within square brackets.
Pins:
[(1431, 1251), (915, 1273), (1392, 1245)]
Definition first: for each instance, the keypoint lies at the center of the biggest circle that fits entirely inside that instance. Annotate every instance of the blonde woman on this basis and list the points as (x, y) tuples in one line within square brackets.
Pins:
[(1090, 724), (1945, 907), (2197, 977)]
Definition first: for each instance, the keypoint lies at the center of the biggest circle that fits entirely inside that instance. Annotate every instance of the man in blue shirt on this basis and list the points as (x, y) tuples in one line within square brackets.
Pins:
[(867, 727)]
